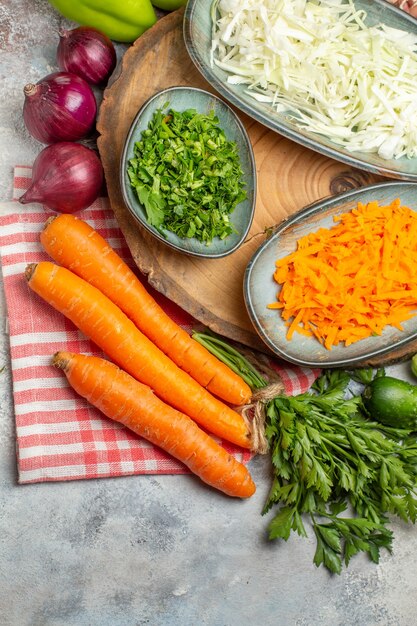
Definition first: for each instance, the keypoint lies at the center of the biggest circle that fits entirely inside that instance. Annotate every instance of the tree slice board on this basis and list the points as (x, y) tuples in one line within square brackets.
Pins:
[(289, 178)]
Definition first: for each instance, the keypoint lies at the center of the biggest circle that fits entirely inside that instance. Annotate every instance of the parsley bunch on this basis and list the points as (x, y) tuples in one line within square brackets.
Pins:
[(187, 174), (327, 458)]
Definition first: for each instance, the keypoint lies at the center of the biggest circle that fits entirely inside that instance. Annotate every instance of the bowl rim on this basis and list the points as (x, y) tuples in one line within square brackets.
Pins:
[(248, 146), (335, 153), (306, 211)]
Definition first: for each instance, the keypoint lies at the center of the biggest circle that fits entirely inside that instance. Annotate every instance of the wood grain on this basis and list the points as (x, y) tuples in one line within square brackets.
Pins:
[(289, 178)]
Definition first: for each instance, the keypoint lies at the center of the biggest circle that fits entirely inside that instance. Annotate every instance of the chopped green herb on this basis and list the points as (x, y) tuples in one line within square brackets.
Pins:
[(187, 174)]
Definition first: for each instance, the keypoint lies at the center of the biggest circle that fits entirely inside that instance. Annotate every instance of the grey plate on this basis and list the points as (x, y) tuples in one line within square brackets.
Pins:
[(197, 35), (260, 289), (180, 99)]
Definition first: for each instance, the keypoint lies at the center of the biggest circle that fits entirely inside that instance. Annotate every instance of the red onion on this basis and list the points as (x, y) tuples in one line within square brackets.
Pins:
[(66, 177), (87, 52), (60, 107)]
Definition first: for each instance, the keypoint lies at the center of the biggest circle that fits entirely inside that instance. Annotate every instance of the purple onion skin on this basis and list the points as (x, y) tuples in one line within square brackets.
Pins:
[(66, 177), (87, 52), (60, 107)]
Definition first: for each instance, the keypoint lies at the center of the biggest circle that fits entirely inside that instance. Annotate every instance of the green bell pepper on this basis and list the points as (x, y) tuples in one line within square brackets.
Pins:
[(121, 20), (169, 5)]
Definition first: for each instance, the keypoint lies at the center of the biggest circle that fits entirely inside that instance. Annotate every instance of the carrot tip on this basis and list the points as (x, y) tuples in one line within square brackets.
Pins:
[(49, 221), (61, 360), (30, 270)]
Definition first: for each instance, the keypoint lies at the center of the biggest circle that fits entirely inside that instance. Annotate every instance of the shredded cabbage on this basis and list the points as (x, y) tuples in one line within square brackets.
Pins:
[(319, 62)]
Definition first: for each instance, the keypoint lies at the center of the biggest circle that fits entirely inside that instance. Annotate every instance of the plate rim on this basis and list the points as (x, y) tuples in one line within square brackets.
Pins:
[(306, 211), (332, 153), (123, 181)]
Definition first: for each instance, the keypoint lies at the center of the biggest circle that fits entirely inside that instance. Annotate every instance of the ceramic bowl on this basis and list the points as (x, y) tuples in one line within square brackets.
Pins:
[(197, 36), (180, 99), (260, 289)]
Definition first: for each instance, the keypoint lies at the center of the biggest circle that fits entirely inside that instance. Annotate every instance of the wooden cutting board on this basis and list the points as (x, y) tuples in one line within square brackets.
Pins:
[(289, 178)]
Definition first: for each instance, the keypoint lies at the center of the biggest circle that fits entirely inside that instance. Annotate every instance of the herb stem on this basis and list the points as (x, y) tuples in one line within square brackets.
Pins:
[(341, 450)]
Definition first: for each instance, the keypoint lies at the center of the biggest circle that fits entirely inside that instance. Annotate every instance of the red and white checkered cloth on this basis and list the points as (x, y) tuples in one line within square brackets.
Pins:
[(59, 435)]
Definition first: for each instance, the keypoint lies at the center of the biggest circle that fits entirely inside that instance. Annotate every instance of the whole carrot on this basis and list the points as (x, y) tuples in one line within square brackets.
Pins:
[(125, 400), (101, 320), (78, 247)]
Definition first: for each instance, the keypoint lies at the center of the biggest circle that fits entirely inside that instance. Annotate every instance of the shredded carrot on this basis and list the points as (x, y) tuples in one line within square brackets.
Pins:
[(348, 282)]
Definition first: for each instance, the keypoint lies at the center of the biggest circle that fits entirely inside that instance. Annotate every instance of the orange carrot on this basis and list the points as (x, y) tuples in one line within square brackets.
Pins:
[(78, 247), (125, 400), (349, 282), (101, 320)]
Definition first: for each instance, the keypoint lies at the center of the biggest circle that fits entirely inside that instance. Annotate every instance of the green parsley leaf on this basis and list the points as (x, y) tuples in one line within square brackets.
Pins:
[(328, 457)]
